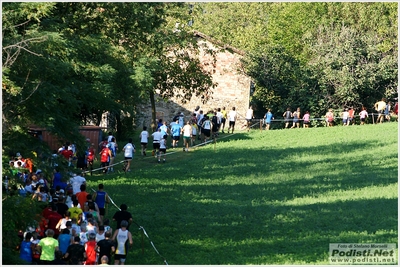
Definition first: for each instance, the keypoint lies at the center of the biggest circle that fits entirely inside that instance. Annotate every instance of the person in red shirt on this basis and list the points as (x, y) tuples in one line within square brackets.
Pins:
[(52, 219), (67, 154), (90, 249), (350, 119), (105, 156), (81, 196), (91, 156)]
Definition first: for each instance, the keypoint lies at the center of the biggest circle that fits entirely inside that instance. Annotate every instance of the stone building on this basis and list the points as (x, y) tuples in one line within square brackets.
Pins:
[(233, 89)]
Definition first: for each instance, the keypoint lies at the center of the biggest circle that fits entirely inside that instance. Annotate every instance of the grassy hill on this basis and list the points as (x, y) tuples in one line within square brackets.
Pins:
[(270, 197)]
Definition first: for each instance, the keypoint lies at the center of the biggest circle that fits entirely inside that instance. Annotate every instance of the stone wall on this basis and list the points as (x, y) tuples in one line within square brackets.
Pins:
[(233, 90)]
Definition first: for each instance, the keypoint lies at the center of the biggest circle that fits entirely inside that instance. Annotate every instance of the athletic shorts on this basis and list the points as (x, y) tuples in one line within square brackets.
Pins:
[(102, 211), (119, 257), (206, 132), (163, 150), (381, 111), (231, 123), (187, 138), (143, 144), (344, 120), (156, 145), (176, 138), (362, 119), (105, 164), (127, 158)]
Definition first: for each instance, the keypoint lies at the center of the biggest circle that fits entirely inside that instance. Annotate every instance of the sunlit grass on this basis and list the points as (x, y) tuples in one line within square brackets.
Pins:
[(271, 197)]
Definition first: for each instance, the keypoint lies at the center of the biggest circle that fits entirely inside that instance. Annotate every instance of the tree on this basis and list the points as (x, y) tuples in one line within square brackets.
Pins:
[(312, 55), (352, 71), (171, 66)]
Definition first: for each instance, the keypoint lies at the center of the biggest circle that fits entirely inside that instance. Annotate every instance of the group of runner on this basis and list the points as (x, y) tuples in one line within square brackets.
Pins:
[(347, 115), (199, 127)]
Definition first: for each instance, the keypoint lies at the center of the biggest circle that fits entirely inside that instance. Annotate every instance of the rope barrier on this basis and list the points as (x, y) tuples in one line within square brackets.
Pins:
[(319, 119), (140, 228)]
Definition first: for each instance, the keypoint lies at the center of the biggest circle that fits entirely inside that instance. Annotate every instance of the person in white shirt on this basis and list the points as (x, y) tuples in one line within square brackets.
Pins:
[(144, 139), (109, 137), (129, 151), (232, 116), (187, 135), (206, 129), (163, 148), (76, 181), (157, 136), (121, 237), (249, 117)]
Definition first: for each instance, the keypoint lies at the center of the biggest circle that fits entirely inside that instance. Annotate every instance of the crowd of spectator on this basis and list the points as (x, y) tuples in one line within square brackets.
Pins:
[(73, 227)]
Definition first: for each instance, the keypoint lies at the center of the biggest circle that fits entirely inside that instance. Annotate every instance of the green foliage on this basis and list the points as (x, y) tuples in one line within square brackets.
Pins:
[(312, 55), (17, 214), (81, 58)]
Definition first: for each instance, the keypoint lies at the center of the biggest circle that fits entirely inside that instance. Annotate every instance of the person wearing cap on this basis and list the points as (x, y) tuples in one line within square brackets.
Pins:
[(105, 156), (122, 236)]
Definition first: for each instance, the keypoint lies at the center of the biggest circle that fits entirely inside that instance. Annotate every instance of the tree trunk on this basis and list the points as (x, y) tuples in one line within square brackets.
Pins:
[(153, 111)]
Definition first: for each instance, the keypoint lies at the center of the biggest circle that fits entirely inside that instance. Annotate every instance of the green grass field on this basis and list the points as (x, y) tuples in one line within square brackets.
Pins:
[(270, 197)]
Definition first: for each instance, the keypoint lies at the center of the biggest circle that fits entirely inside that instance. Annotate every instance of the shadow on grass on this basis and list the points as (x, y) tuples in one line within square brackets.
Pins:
[(267, 206)]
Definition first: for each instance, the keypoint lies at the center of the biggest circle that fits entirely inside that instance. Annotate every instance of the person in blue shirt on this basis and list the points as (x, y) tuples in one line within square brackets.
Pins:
[(159, 124), (64, 240), (25, 249), (268, 119), (101, 198), (176, 130)]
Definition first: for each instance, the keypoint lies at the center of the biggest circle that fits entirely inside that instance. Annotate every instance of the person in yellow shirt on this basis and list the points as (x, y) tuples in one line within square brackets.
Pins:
[(380, 107), (224, 117)]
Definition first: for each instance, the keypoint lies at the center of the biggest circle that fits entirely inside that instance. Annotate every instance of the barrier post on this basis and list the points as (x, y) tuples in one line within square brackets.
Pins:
[(142, 243), (215, 142)]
